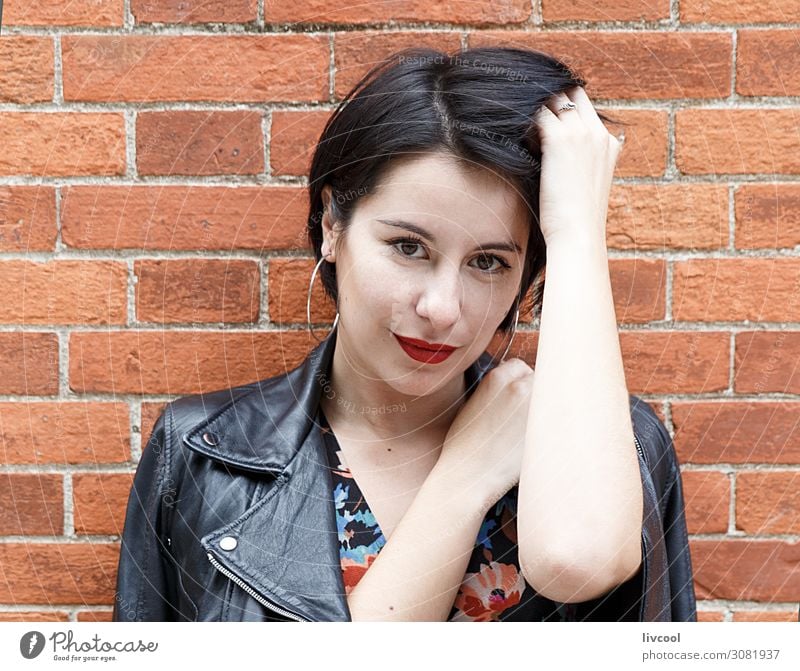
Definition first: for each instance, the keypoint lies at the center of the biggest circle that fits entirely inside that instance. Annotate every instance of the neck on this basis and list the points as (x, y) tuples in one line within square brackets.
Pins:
[(370, 407)]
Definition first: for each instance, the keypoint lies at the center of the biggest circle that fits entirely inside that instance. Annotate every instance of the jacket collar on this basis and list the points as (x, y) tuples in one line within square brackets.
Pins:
[(287, 548), (266, 423)]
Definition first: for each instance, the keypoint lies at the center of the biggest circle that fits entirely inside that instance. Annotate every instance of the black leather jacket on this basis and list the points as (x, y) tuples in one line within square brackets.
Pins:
[(230, 514)]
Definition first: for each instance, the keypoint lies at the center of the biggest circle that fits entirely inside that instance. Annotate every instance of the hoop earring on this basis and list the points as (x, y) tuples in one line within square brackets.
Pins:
[(308, 301), (513, 333)]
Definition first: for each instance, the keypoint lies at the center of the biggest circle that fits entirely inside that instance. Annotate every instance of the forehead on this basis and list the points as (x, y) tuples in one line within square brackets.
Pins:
[(436, 190)]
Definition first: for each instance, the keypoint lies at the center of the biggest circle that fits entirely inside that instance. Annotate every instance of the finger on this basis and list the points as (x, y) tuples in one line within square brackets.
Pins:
[(586, 108), (517, 367), (545, 116), (563, 115)]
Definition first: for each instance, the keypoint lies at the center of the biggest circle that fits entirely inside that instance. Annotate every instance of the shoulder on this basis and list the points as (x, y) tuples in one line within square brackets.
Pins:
[(257, 427), (188, 411), (186, 415)]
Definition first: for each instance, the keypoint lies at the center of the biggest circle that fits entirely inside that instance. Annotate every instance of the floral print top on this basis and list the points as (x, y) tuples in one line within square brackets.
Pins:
[(493, 588)]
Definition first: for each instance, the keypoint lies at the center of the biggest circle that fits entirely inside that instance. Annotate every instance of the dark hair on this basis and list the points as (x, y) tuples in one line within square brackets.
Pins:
[(477, 105)]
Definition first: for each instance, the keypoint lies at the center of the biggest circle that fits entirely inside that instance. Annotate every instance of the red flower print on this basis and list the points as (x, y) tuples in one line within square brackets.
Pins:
[(483, 596), (353, 571)]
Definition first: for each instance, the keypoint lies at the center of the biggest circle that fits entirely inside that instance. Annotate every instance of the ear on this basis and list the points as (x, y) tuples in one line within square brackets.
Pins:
[(329, 232)]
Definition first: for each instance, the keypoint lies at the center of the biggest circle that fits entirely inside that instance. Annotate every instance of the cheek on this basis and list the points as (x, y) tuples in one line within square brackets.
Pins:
[(487, 306), (374, 286)]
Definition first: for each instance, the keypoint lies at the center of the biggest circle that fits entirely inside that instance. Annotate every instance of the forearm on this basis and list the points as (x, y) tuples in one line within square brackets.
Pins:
[(417, 573), (579, 448)]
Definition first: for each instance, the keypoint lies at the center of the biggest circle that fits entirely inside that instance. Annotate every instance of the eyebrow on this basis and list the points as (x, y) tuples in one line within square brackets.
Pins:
[(508, 246)]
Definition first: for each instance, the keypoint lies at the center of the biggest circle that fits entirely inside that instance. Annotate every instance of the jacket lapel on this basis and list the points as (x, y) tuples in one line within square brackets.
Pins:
[(287, 548), (287, 543)]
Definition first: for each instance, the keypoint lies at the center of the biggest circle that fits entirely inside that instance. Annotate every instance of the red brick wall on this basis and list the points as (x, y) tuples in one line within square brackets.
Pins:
[(152, 211)]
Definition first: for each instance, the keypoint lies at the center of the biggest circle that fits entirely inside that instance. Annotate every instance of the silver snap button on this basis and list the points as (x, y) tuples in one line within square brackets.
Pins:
[(209, 439), (228, 543)]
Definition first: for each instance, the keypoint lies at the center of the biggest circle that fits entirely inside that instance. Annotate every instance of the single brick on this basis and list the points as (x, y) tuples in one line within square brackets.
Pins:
[(27, 218), (765, 361), (58, 573), (737, 432), (767, 216), (65, 432), (616, 10), (746, 570), (62, 144), (34, 616), (199, 143), (64, 292), (754, 289), (27, 74), (766, 63), (208, 11), (89, 13), (184, 217), (197, 290), (734, 141), (765, 615), (204, 68), (28, 363), (768, 502), (741, 11), (478, 12), (667, 216), (31, 504), (675, 362)]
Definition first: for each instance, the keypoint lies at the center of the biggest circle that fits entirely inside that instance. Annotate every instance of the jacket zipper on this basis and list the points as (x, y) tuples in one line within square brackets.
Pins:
[(251, 592), (639, 448)]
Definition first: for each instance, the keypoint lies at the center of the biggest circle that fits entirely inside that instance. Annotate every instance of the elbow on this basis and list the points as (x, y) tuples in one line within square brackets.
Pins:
[(573, 575)]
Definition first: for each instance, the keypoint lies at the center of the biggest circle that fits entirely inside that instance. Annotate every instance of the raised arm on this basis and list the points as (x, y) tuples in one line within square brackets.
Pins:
[(580, 450)]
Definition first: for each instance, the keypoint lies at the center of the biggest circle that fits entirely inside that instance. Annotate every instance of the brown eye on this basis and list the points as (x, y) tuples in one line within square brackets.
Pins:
[(502, 266), (402, 245), (405, 245), (488, 259)]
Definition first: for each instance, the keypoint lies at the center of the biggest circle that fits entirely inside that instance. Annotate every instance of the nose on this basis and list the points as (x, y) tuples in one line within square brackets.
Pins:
[(441, 299)]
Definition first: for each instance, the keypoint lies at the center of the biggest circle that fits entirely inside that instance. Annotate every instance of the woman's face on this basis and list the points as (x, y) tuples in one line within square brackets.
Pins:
[(452, 283)]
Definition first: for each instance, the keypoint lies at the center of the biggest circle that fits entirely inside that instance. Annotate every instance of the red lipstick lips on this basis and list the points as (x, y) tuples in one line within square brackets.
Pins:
[(423, 351)]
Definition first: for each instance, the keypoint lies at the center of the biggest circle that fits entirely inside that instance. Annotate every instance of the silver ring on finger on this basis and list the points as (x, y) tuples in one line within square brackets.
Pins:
[(566, 106)]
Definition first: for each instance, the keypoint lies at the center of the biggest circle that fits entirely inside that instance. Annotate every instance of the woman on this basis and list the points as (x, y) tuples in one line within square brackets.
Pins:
[(400, 473)]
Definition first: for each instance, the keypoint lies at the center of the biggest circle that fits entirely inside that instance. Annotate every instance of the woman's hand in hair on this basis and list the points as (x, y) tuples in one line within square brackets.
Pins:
[(578, 160), (483, 449)]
